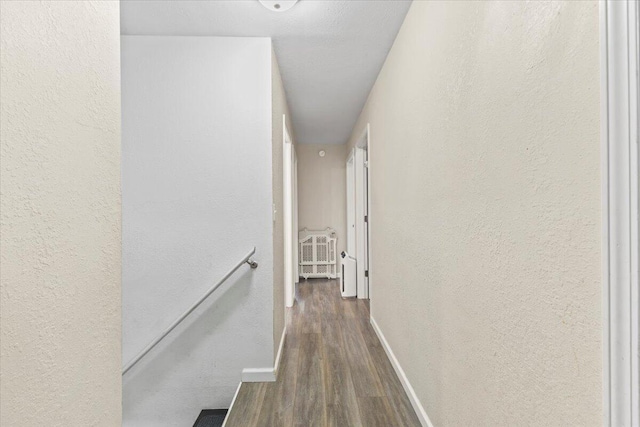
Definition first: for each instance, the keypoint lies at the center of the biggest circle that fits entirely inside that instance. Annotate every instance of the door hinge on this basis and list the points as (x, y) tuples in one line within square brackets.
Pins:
[(366, 273), (366, 218)]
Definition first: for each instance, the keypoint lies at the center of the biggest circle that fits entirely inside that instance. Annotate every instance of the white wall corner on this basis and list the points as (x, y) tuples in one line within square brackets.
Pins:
[(408, 388), (276, 364), (265, 375)]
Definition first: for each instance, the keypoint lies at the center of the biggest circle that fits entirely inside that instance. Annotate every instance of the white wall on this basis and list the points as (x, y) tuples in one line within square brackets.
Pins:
[(196, 198), (60, 214), (322, 198), (279, 107), (485, 218)]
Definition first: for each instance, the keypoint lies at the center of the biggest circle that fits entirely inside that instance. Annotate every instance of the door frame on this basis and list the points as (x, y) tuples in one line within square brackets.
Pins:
[(619, 43), (351, 206), (289, 205), (362, 223), (296, 228)]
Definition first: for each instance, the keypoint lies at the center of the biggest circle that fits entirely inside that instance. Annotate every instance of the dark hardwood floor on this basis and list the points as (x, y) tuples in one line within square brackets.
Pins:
[(333, 370)]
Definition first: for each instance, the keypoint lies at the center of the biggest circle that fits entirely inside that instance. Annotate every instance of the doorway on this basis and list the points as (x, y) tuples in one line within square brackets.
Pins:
[(358, 215), (290, 206), (351, 206)]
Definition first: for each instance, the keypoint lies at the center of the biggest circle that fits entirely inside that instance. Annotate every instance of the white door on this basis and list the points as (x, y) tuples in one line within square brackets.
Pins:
[(360, 222), (367, 249), (296, 261)]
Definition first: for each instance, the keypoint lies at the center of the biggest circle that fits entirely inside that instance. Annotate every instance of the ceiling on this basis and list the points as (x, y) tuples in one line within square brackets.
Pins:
[(329, 51)]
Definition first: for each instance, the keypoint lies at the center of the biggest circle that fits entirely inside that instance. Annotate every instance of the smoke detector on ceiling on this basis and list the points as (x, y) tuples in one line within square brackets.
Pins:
[(278, 5)]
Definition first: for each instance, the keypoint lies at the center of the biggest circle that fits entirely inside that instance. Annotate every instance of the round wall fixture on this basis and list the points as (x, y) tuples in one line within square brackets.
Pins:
[(278, 5), (321, 153)]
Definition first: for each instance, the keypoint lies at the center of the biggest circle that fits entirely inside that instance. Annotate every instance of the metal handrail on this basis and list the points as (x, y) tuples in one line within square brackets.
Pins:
[(247, 259)]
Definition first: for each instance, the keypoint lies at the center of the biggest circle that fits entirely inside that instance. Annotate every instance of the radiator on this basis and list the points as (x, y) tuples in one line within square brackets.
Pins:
[(317, 254)]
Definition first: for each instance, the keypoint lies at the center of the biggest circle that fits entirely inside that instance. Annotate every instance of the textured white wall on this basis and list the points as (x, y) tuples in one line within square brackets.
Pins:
[(486, 210), (196, 198), (60, 214), (322, 198)]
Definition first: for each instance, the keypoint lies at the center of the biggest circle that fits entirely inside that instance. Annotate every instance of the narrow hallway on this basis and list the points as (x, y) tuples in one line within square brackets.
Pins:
[(333, 370)]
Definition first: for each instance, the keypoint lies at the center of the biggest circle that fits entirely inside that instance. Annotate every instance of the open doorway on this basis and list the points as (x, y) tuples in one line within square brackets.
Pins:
[(358, 218), (295, 234), (351, 206), (290, 190), (361, 171)]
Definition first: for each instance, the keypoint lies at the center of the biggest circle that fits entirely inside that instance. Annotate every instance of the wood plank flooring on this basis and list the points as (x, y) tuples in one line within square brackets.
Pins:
[(333, 370)]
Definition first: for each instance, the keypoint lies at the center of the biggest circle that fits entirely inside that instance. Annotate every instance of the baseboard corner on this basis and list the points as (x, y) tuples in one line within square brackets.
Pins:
[(408, 388), (258, 375)]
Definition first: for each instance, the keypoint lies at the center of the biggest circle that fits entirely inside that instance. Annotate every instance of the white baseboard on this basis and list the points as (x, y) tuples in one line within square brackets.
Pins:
[(265, 375), (276, 364), (232, 402), (258, 375), (302, 279), (413, 398)]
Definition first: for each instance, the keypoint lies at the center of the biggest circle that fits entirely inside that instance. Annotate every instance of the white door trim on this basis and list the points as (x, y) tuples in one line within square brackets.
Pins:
[(296, 232), (361, 282), (619, 145), (369, 224), (288, 213), (351, 207), (363, 261)]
